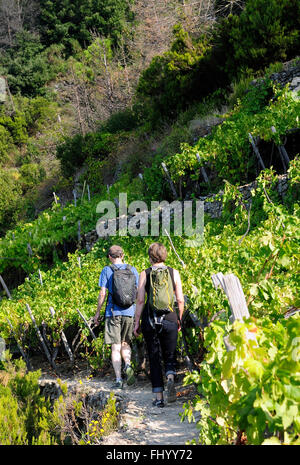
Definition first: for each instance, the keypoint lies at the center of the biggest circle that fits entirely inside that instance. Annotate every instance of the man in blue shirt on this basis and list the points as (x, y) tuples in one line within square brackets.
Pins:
[(118, 320)]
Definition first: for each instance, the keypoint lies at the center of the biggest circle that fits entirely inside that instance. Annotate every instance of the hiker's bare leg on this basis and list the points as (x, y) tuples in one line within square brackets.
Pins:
[(128, 369), (116, 359), (126, 353)]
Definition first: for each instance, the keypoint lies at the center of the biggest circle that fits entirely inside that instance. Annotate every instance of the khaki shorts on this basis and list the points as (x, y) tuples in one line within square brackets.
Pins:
[(118, 329)]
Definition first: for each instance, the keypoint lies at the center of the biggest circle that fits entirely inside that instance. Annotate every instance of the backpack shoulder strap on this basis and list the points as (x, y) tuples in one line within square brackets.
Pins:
[(113, 267), (171, 271), (147, 285)]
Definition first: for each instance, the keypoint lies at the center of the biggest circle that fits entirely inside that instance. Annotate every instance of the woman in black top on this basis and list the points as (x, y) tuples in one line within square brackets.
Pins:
[(160, 339)]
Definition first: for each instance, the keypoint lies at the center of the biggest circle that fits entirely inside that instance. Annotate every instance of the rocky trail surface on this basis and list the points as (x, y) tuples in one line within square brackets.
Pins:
[(140, 422), (144, 424)]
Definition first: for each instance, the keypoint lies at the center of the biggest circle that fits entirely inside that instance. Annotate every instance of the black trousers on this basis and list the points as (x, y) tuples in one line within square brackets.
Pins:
[(161, 345)]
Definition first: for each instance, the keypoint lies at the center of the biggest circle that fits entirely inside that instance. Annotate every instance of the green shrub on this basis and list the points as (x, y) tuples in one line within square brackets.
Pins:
[(39, 112), (70, 22), (12, 421), (266, 31), (107, 422), (95, 174), (236, 46), (5, 144), (10, 188), (26, 417), (239, 88), (75, 150), (125, 120), (26, 65), (252, 389), (19, 128), (179, 77), (32, 174)]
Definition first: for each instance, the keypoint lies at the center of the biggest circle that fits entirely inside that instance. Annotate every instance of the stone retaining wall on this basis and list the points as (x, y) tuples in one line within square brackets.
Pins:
[(290, 74), (213, 206)]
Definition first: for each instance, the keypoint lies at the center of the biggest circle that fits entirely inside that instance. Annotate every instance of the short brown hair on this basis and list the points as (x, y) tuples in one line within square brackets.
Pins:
[(157, 252), (115, 251)]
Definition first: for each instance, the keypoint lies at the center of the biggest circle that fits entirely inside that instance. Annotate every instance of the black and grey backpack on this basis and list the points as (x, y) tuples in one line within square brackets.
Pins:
[(123, 286)]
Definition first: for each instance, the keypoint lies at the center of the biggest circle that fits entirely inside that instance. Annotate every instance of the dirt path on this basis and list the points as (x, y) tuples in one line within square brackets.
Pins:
[(143, 424), (140, 423)]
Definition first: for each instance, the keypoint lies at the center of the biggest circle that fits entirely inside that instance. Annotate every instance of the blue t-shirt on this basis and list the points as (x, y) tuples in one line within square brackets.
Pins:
[(106, 280)]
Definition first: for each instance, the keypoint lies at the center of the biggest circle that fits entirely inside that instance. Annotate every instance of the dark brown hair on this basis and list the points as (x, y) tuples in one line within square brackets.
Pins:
[(157, 252)]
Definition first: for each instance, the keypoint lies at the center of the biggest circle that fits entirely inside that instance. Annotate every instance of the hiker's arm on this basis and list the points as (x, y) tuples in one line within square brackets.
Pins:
[(101, 300), (140, 302), (179, 295)]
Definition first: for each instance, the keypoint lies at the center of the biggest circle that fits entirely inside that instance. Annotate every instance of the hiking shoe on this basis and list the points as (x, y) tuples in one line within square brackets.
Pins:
[(130, 378), (171, 392), (158, 403), (117, 385)]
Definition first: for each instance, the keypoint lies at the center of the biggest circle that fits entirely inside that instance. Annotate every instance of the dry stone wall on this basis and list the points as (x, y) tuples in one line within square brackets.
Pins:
[(213, 205), (290, 74)]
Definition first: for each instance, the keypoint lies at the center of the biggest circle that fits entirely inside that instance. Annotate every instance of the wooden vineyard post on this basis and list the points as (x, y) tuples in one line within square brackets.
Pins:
[(5, 287), (89, 194), (283, 153), (64, 339), (170, 180), (27, 361), (40, 276), (232, 287), (41, 338), (86, 324), (172, 245), (55, 198), (29, 249), (75, 197), (256, 151), (64, 241), (203, 172), (83, 190), (75, 347), (79, 231)]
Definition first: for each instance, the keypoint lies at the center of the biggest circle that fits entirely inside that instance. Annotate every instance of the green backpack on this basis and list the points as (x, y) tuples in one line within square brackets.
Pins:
[(161, 292)]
